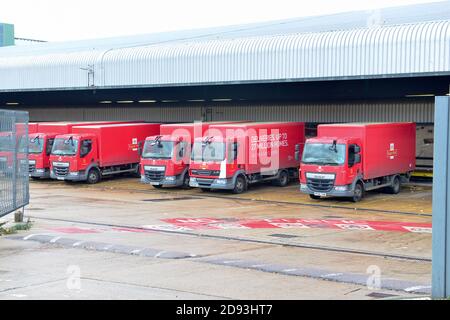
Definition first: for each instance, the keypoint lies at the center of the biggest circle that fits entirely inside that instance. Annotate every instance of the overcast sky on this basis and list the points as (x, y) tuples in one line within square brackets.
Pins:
[(59, 20)]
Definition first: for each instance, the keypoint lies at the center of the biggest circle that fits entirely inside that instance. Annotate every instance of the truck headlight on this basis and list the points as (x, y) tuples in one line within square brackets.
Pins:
[(221, 181), (341, 188), (193, 182), (171, 178), (303, 186)]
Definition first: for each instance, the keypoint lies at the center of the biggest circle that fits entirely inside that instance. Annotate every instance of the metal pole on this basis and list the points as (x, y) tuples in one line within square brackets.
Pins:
[(441, 200), (14, 152)]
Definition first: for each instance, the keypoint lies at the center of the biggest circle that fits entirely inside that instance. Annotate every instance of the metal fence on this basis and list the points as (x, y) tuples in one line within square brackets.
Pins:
[(14, 181)]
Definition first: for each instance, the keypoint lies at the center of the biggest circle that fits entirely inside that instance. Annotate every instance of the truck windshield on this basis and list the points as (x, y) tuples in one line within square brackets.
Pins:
[(6, 143), (324, 154), (65, 147), (36, 145), (212, 151), (158, 149)]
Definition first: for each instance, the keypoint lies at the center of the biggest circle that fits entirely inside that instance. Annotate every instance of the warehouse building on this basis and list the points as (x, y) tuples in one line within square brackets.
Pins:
[(384, 65)]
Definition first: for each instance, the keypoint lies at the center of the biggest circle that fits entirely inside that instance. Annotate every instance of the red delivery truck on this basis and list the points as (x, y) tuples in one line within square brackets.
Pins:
[(345, 160), (12, 141), (6, 150), (233, 156), (166, 157), (41, 142), (92, 152)]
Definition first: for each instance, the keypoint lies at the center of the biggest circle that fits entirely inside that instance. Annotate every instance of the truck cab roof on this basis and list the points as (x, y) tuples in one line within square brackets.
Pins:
[(330, 140), (43, 134), (76, 136), (168, 137)]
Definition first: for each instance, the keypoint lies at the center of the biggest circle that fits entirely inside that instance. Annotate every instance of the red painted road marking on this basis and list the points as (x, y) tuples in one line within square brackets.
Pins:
[(209, 223)]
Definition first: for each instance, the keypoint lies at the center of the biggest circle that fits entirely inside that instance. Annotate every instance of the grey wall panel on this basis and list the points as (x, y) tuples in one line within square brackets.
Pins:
[(415, 110), (406, 110)]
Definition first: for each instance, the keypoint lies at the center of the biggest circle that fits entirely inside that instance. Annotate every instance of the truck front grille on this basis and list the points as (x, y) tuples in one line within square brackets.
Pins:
[(154, 175), (320, 185), (61, 171), (31, 168), (210, 173), (204, 182)]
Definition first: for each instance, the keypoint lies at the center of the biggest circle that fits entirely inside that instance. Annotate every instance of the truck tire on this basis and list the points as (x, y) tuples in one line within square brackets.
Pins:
[(186, 179), (314, 197), (358, 192), (93, 176), (395, 187), (282, 180), (240, 185)]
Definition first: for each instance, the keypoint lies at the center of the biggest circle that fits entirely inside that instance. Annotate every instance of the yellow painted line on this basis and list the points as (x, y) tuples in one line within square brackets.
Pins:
[(422, 174)]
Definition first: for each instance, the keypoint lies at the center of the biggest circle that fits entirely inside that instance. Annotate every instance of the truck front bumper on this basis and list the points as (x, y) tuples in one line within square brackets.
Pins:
[(40, 173), (71, 176), (218, 183), (171, 181), (336, 191)]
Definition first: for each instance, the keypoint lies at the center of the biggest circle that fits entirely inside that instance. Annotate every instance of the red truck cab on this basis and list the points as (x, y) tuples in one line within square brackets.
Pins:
[(68, 159), (346, 160), (165, 160), (39, 149)]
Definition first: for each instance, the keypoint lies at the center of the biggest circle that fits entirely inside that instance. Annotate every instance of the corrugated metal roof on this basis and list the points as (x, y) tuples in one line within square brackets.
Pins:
[(390, 42)]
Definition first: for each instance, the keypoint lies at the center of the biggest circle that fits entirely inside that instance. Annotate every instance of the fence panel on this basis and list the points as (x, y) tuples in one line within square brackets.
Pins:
[(14, 180)]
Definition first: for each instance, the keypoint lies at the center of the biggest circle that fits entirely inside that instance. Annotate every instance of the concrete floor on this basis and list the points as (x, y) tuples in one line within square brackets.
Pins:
[(118, 240)]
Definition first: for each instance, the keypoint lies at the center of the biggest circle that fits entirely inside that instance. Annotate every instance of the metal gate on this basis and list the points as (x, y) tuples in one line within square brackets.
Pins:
[(14, 187)]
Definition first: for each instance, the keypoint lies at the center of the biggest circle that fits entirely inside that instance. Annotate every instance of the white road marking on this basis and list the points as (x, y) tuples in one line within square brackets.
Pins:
[(258, 265), (55, 239), (159, 254), (76, 244), (417, 288)]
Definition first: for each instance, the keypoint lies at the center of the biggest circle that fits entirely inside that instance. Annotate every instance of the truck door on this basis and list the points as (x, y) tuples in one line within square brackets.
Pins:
[(86, 154), (354, 160)]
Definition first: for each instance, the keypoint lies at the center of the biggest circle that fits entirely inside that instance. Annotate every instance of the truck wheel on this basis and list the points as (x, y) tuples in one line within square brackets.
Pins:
[(283, 179), (93, 176), (314, 197), (186, 180), (358, 193), (240, 185), (395, 187)]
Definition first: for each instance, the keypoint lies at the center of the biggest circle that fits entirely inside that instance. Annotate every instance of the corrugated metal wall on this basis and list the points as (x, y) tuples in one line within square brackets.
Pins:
[(417, 110), (360, 53)]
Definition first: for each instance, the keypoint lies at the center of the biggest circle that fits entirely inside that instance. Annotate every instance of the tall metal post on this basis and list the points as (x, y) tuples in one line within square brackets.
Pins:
[(441, 200)]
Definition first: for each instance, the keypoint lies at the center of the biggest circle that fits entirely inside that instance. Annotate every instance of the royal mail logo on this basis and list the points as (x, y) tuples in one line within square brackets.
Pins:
[(319, 169), (392, 152)]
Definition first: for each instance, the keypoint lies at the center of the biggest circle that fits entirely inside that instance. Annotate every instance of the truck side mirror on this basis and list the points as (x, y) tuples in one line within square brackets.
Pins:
[(357, 158)]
